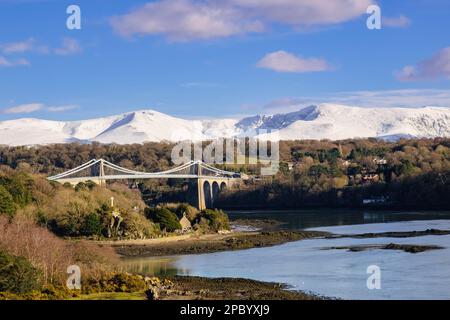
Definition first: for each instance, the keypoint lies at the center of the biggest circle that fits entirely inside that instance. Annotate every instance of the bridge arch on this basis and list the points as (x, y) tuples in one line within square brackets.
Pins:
[(215, 191), (207, 194)]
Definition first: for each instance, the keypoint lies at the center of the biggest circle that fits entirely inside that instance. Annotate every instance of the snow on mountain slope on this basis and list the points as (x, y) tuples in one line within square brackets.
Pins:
[(336, 122), (148, 125), (31, 132), (326, 121)]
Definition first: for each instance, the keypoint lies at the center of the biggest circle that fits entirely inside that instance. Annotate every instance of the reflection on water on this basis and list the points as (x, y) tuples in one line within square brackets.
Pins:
[(304, 219), (157, 266)]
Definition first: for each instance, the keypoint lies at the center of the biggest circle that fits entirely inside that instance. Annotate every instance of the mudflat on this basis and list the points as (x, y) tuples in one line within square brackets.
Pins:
[(192, 244)]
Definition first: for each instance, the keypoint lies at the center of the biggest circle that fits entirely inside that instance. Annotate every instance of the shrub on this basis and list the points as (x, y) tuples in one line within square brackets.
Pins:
[(217, 219), (19, 186), (191, 212), (166, 218), (83, 186), (80, 186), (136, 226), (17, 274), (115, 282), (92, 225), (7, 205), (49, 292)]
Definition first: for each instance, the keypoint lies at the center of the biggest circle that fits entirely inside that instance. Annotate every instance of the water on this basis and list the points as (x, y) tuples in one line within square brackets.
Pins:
[(304, 219), (305, 265)]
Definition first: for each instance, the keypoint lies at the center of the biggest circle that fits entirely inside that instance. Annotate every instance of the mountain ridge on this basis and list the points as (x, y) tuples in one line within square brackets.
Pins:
[(325, 121)]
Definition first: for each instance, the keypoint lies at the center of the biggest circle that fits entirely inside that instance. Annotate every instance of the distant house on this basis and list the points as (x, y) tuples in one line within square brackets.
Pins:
[(185, 223), (380, 162), (371, 177)]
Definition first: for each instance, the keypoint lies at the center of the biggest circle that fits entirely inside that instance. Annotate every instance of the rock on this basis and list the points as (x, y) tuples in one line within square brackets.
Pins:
[(152, 294)]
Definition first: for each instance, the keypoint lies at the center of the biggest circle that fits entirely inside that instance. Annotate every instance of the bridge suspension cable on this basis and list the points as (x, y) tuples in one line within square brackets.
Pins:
[(177, 172)]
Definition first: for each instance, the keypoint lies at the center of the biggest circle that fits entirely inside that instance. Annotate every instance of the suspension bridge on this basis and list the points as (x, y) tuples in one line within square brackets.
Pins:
[(210, 180)]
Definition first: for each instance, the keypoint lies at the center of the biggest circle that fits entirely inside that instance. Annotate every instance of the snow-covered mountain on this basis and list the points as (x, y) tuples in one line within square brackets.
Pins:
[(326, 121)]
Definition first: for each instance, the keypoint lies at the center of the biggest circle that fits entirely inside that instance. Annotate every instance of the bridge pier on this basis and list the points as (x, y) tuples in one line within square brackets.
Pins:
[(208, 190)]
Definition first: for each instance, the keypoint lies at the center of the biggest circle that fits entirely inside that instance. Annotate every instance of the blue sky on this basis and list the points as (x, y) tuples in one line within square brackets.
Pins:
[(196, 58)]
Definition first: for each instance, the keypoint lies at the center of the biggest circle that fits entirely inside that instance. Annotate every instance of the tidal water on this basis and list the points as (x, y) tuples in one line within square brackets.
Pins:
[(310, 265), (304, 219)]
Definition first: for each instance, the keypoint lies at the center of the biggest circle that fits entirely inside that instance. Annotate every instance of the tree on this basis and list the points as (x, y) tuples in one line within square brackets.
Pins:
[(217, 219), (17, 275), (19, 187), (7, 205), (166, 218), (92, 225), (190, 211)]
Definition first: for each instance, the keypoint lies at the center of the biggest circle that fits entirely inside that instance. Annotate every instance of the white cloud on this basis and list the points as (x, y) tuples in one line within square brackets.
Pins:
[(13, 63), (411, 98), (437, 66), (70, 46), (397, 22), (61, 108), (34, 107), (304, 13), (282, 61), (24, 108), (23, 46), (183, 20)]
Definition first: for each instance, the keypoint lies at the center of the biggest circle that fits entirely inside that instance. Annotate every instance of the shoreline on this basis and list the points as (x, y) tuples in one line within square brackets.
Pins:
[(192, 244)]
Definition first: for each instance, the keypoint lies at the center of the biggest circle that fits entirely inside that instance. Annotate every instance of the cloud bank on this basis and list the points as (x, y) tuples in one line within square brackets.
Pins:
[(185, 20)]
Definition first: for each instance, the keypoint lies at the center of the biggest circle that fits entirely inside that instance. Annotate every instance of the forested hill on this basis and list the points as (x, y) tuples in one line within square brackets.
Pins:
[(406, 173)]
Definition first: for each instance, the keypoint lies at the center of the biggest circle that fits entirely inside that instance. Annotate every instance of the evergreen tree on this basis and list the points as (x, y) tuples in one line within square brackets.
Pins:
[(166, 218), (7, 205)]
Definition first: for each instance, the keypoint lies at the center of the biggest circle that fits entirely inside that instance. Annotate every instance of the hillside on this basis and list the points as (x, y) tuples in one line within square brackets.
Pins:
[(326, 121)]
